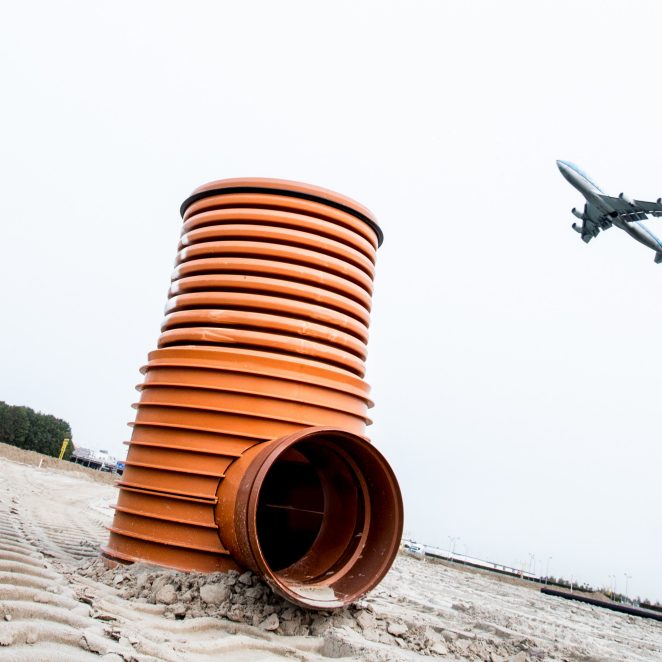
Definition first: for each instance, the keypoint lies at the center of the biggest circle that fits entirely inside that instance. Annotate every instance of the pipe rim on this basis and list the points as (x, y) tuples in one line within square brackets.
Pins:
[(360, 562), (287, 189)]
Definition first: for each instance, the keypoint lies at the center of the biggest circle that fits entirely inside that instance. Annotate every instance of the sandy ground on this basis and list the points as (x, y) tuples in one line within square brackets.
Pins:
[(47, 462), (58, 602)]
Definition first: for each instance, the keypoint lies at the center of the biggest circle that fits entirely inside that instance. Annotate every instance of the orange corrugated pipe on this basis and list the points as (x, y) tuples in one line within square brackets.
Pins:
[(248, 446)]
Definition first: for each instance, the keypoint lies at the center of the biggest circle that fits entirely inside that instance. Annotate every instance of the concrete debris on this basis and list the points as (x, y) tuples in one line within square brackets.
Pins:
[(166, 595), (397, 629), (270, 622), (211, 594)]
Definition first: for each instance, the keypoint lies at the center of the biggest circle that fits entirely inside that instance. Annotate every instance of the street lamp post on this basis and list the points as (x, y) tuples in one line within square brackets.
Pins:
[(627, 579), (453, 540)]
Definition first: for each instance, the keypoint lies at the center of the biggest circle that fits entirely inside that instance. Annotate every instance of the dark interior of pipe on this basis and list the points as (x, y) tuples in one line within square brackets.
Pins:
[(310, 514), (290, 510)]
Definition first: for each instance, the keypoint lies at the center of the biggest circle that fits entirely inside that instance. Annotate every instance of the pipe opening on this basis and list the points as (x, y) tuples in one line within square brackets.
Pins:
[(318, 513), (310, 512)]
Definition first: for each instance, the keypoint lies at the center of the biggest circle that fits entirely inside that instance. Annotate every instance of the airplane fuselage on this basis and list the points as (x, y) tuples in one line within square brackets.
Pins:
[(597, 207)]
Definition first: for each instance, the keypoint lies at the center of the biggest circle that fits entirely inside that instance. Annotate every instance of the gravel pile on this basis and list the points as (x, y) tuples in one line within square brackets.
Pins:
[(244, 598)]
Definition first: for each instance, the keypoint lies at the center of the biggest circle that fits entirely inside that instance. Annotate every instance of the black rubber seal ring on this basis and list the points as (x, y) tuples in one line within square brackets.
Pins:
[(291, 194)]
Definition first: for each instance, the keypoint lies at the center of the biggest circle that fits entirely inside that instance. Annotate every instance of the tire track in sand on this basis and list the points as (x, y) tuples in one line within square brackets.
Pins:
[(40, 617)]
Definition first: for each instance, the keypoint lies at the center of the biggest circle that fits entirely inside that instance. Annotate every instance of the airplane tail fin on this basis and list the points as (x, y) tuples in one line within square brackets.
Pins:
[(658, 257)]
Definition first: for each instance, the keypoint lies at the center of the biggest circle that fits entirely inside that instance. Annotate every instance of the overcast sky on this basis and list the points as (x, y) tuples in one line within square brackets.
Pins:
[(515, 369)]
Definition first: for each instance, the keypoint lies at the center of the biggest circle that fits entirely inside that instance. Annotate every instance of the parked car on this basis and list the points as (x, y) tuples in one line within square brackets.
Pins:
[(414, 548)]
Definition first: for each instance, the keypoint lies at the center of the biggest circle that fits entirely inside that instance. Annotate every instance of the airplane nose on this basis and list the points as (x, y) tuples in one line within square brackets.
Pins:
[(563, 167)]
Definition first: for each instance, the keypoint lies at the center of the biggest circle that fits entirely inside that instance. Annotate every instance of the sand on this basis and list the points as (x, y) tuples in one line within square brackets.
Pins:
[(46, 461), (59, 602)]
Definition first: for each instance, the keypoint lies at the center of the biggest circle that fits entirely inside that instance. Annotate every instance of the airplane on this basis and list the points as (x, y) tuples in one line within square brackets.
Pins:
[(602, 211)]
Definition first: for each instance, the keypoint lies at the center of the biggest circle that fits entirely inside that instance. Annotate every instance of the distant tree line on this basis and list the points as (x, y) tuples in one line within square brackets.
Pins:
[(29, 429)]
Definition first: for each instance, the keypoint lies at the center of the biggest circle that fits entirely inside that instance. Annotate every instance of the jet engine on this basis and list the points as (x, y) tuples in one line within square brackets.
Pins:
[(578, 214), (626, 198)]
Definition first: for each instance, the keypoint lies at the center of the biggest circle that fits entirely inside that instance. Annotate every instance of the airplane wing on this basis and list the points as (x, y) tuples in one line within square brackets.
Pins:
[(637, 212), (652, 208)]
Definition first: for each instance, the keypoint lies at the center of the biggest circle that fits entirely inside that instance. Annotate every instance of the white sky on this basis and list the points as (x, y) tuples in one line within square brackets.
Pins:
[(514, 368)]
